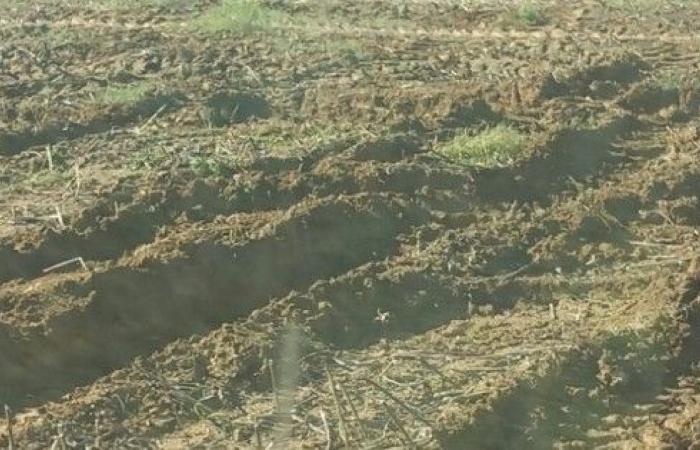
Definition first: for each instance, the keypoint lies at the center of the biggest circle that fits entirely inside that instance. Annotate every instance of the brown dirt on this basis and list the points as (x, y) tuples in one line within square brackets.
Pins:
[(264, 250)]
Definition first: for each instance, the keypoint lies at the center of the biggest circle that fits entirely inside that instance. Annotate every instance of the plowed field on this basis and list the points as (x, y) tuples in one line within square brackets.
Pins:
[(239, 224)]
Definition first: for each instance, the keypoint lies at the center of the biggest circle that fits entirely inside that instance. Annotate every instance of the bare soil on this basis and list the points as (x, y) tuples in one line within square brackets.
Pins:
[(246, 238)]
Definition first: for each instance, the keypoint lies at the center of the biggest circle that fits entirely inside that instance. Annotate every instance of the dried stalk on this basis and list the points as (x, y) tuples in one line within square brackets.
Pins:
[(360, 425), (67, 262), (273, 381), (59, 217), (258, 438), (77, 179), (400, 402), (10, 435), (150, 119), (341, 418), (397, 422), (436, 371), (49, 158), (326, 430)]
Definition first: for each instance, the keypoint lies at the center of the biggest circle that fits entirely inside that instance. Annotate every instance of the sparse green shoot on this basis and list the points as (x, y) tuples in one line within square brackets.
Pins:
[(123, 94), (531, 14), (494, 147), (237, 15), (669, 80), (210, 165)]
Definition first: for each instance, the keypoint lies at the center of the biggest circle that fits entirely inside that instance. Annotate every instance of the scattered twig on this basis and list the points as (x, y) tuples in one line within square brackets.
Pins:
[(398, 383), (326, 430), (273, 382), (435, 370), (360, 425), (502, 278), (398, 424), (658, 262), (655, 244), (253, 74), (60, 441), (258, 438), (471, 355), (10, 435), (400, 402), (341, 418), (78, 259), (77, 179), (59, 217), (49, 158), (152, 118)]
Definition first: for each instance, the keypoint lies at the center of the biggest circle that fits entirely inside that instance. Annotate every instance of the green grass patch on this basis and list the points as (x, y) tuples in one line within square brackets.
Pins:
[(66, 35), (494, 147), (669, 80), (123, 94), (237, 15), (531, 14)]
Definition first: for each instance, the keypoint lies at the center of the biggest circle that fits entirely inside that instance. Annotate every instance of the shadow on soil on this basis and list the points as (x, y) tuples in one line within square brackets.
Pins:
[(224, 109)]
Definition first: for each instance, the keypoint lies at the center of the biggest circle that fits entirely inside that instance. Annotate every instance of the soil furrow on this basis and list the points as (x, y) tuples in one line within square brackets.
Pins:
[(255, 192), (136, 309), (14, 143)]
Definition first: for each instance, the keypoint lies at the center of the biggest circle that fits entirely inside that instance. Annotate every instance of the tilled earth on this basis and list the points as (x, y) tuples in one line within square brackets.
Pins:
[(253, 243)]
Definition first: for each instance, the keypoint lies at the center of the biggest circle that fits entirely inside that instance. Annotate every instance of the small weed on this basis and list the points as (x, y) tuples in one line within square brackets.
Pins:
[(150, 158), (531, 14), (210, 166), (669, 80), (494, 147), (237, 15), (63, 36), (123, 94), (203, 164)]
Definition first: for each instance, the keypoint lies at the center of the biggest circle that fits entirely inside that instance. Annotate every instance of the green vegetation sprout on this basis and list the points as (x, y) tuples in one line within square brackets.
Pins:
[(123, 94), (493, 147), (236, 15), (531, 14)]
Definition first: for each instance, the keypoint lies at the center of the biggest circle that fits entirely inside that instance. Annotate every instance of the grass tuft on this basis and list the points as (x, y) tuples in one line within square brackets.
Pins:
[(494, 147), (531, 14), (236, 15), (123, 94), (669, 80)]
